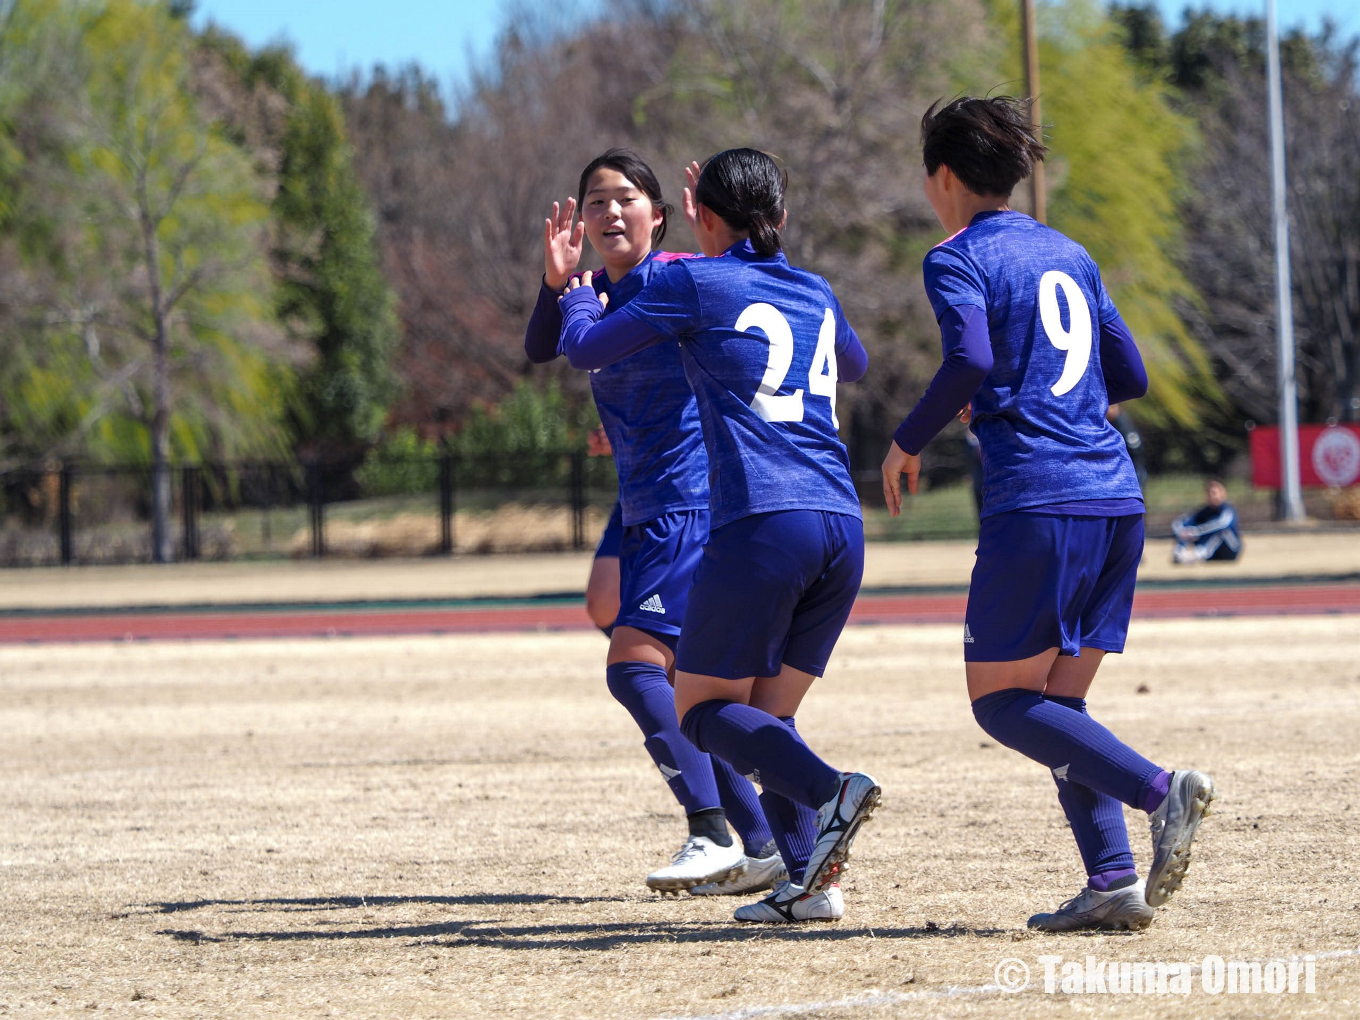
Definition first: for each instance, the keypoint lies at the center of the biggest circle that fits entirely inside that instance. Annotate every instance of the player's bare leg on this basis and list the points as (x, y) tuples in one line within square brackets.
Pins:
[(602, 592)]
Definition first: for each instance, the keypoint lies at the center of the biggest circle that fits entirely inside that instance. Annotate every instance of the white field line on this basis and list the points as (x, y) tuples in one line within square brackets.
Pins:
[(872, 997)]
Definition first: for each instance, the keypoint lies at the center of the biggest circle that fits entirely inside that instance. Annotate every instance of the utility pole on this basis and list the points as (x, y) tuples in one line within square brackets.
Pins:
[(1030, 43), (1291, 496)]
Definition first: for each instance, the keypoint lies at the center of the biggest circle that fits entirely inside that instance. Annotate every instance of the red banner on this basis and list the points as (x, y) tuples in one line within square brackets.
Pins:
[(1329, 456)]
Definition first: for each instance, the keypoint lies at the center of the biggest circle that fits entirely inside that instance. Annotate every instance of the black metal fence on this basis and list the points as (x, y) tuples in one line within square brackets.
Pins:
[(429, 506), (75, 514)]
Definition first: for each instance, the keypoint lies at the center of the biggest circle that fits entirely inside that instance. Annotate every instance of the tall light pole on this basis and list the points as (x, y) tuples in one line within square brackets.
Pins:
[(1291, 496), (1030, 40)]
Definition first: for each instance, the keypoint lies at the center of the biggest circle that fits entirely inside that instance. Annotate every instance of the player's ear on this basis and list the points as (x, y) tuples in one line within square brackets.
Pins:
[(783, 221)]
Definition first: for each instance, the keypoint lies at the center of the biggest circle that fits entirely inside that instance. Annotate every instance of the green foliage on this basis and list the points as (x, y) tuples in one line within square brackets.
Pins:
[(528, 423), (137, 228), (1118, 150), (402, 463), (522, 440), (332, 292)]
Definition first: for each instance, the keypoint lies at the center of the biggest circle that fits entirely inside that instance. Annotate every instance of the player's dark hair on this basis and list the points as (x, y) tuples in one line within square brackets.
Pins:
[(988, 143), (631, 165), (746, 188)]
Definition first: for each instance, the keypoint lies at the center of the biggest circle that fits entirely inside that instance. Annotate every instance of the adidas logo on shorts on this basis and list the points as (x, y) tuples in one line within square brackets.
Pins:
[(967, 635), (653, 605)]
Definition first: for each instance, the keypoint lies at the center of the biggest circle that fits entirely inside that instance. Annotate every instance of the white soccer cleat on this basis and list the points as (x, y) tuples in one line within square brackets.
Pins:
[(838, 821), (1091, 910), (699, 862), (1173, 827), (789, 904), (761, 873)]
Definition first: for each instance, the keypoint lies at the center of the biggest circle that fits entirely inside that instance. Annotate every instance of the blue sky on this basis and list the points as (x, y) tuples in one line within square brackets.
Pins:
[(334, 36)]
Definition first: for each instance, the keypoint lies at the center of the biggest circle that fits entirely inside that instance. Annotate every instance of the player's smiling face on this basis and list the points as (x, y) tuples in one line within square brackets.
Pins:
[(619, 219)]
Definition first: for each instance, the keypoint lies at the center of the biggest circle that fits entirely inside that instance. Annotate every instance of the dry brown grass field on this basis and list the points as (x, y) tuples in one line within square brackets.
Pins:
[(459, 827)]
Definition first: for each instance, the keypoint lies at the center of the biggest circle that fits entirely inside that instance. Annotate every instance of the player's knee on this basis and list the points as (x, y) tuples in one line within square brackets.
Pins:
[(996, 712), (692, 722)]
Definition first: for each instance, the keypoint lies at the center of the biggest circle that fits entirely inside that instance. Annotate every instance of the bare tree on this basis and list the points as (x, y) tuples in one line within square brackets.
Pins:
[(1230, 250)]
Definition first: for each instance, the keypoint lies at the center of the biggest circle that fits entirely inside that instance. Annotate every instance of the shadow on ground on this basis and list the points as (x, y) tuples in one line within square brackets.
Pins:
[(458, 934), (357, 902)]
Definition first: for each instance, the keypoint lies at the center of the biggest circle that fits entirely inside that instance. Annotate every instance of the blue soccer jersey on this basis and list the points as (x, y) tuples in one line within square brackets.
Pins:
[(1040, 414), (646, 406), (763, 345)]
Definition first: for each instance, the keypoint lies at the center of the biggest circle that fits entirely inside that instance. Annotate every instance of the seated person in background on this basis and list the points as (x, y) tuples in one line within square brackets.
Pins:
[(1210, 533)]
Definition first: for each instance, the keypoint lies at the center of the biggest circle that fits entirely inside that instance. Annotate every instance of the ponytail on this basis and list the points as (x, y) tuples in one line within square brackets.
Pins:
[(746, 189)]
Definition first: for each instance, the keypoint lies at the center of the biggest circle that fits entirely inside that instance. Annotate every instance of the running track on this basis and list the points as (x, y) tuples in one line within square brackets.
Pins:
[(566, 612)]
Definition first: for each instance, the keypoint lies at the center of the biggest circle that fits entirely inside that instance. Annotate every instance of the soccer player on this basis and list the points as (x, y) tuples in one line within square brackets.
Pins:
[(1209, 533), (649, 415), (763, 344), (1035, 352)]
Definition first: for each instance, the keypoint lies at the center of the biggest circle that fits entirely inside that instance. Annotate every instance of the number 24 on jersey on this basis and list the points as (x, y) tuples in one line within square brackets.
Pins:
[(768, 403)]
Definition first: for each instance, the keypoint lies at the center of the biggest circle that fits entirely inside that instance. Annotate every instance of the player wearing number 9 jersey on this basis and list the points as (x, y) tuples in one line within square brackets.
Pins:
[(764, 344), (1036, 349)]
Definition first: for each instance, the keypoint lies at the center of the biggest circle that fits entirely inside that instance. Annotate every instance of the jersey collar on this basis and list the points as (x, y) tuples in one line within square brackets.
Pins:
[(746, 252)]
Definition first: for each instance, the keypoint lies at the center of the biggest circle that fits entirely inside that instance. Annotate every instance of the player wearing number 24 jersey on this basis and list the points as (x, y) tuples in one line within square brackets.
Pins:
[(1035, 347), (764, 344)]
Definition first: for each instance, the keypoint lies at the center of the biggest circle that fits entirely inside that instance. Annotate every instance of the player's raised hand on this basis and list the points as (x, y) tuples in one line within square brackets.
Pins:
[(562, 244), (896, 464), (584, 281), (688, 202), (597, 443)]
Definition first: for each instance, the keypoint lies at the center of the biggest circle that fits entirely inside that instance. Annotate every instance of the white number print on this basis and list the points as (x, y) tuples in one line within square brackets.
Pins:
[(767, 403), (821, 374), (1076, 340)]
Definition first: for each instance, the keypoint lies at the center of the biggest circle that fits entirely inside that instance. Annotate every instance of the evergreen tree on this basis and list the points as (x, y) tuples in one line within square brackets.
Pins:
[(332, 290)]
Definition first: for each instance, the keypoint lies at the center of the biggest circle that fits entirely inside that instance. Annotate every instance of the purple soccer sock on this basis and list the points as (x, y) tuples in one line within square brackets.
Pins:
[(642, 688), (1072, 744), (1097, 821), (1157, 791), (742, 804), (794, 825), (1108, 880), (759, 745)]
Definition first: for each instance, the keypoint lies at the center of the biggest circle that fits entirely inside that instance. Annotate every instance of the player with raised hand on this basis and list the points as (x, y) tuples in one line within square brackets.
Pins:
[(763, 344), (1035, 348), (649, 415)]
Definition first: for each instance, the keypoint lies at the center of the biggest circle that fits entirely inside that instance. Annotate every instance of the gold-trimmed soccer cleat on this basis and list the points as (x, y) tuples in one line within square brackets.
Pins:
[(1173, 826)]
